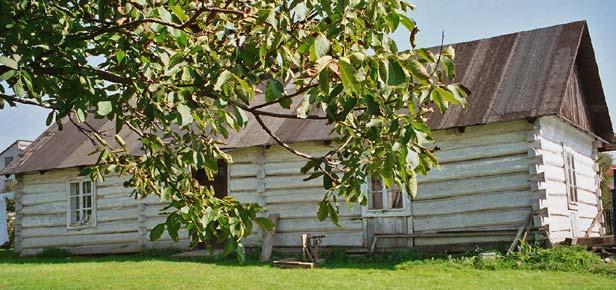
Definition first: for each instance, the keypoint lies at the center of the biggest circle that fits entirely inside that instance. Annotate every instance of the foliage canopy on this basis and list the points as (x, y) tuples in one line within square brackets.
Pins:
[(182, 75)]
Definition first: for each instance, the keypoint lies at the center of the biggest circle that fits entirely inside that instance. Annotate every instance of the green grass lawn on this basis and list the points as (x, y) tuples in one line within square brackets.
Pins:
[(160, 272)]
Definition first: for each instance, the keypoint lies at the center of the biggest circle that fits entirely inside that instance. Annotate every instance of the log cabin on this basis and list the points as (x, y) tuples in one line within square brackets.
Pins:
[(523, 152)]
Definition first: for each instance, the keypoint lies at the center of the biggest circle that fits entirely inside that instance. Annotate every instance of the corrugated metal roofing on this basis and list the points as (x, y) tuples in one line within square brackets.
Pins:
[(516, 76)]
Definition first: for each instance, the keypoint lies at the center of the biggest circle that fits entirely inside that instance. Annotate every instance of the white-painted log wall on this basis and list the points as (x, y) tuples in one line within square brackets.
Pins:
[(490, 178)]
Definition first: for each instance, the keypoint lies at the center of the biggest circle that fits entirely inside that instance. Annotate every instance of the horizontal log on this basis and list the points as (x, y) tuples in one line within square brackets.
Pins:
[(481, 152), (95, 239), (314, 225), (472, 203), (101, 228), (330, 239), (477, 168), (307, 210), (468, 220), (469, 186)]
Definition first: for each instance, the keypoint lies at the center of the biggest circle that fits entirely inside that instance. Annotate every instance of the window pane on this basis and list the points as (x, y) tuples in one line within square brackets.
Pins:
[(87, 187), (87, 201), (376, 184), (376, 200), (75, 217), (395, 197), (74, 203), (74, 188), (376, 193), (87, 216)]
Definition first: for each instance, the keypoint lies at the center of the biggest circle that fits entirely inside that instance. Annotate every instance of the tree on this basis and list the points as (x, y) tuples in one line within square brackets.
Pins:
[(183, 74)]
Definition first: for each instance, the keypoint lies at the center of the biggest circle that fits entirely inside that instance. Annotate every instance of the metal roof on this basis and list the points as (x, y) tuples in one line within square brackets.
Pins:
[(515, 76)]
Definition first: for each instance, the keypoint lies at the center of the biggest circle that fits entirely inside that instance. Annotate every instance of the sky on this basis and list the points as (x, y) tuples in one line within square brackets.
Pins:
[(461, 21)]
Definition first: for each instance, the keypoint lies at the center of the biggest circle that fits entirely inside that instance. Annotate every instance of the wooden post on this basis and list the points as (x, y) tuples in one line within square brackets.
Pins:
[(614, 206), (268, 239)]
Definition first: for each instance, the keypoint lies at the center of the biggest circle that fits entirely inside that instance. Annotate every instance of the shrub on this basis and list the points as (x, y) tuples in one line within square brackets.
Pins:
[(559, 258)]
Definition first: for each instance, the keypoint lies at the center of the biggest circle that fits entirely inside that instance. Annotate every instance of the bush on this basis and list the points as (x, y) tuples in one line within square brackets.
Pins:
[(559, 258)]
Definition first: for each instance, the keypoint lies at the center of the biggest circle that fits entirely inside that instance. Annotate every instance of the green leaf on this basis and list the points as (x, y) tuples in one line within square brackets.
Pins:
[(273, 90), (393, 20), (222, 78), (228, 247), (104, 108), (411, 186), (179, 12), (459, 92), (8, 62), (323, 211), (164, 14), (157, 232), (19, 88), (120, 54), (8, 75), (185, 113), (418, 70), (407, 22), (265, 223), (319, 47), (81, 115), (173, 226), (449, 67), (347, 74), (300, 11), (396, 74)]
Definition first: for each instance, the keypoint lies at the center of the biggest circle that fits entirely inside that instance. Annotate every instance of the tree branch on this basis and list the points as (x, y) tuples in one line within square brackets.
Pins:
[(290, 96), (15, 99), (279, 141)]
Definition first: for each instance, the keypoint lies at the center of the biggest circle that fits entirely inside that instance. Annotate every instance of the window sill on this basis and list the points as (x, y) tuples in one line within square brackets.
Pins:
[(80, 227), (386, 212)]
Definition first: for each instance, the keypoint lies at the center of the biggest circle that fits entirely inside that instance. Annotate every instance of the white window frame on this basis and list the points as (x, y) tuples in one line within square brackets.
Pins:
[(385, 212), (92, 222), (571, 188)]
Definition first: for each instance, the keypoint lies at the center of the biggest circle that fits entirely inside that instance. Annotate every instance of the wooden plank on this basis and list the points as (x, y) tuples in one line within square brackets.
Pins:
[(521, 230), (268, 239), (288, 263)]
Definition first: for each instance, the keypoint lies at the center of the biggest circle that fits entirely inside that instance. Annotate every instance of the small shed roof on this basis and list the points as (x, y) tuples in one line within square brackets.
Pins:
[(516, 76)]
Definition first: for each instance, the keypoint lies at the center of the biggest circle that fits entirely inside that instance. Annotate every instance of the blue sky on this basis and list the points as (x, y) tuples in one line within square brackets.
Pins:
[(461, 21)]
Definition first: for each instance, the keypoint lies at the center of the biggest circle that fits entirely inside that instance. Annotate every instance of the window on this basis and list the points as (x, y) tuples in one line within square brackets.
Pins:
[(382, 198), (570, 178), (7, 161), (81, 204), (220, 182)]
